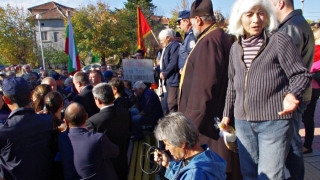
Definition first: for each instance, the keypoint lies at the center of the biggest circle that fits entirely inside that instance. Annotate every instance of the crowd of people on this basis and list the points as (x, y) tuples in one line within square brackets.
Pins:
[(255, 75)]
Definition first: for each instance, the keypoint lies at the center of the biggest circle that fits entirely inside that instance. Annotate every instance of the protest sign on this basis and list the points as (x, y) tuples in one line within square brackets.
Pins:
[(138, 70)]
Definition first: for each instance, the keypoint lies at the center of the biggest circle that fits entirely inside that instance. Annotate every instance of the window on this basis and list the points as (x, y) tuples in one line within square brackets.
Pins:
[(44, 36), (55, 36)]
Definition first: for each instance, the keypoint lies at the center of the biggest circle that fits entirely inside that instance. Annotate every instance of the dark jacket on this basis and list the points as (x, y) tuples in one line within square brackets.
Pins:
[(150, 105), (205, 80), (114, 122), (302, 36), (87, 155), (85, 98), (170, 64), (186, 47), (257, 94), (25, 143)]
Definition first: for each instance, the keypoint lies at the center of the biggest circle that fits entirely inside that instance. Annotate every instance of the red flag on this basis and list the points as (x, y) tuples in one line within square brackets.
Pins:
[(143, 29)]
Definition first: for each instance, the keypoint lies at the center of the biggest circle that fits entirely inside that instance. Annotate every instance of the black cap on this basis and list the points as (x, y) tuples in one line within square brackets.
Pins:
[(201, 8), (185, 14)]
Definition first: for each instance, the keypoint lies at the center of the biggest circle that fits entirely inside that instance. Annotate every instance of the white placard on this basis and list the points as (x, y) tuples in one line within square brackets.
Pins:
[(138, 70)]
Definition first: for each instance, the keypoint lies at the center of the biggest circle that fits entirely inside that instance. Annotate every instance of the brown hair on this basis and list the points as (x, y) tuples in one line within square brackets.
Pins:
[(37, 96), (52, 102)]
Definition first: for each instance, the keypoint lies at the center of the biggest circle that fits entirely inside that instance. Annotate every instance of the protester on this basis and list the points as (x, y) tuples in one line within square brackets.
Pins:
[(103, 68), (169, 71), (139, 54), (85, 155), (293, 23), (25, 137), (85, 97), (267, 78), (95, 77), (148, 111), (189, 39), (308, 116), (51, 82), (38, 96), (26, 69), (190, 160), (121, 99), (111, 121), (65, 73), (53, 104), (107, 75)]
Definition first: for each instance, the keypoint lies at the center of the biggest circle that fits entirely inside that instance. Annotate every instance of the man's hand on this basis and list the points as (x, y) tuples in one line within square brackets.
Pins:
[(161, 158), (225, 121), (161, 75), (290, 103)]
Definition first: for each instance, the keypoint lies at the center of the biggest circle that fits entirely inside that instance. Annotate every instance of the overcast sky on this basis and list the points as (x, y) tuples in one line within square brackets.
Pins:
[(164, 7)]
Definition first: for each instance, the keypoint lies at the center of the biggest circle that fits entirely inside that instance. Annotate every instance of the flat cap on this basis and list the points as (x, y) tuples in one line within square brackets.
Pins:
[(201, 8)]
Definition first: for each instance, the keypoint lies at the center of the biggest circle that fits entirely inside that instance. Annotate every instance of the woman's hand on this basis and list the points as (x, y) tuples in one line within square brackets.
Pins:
[(290, 103), (161, 158), (225, 120)]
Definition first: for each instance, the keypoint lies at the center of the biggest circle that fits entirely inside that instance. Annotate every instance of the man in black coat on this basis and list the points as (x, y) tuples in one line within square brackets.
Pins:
[(113, 122), (85, 97), (85, 155), (25, 137)]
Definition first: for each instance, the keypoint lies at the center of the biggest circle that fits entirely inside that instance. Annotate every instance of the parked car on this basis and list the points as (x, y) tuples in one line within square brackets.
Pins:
[(91, 66)]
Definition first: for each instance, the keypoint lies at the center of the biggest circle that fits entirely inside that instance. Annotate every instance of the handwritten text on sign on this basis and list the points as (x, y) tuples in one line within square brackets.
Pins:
[(138, 70)]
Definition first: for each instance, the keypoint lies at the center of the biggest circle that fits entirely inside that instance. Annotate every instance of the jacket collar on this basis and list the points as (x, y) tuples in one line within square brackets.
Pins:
[(78, 130), (296, 12), (20, 110)]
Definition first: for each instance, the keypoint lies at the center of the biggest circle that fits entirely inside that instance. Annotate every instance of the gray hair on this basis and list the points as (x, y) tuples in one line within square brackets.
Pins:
[(208, 19), (218, 16), (81, 77), (167, 33), (67, 81), (242, 6), (46, 80), (139, 84), (177, 129), (103, 92)]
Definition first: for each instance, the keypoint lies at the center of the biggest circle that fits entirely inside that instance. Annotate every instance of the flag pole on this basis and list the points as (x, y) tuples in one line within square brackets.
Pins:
[(155, 37)]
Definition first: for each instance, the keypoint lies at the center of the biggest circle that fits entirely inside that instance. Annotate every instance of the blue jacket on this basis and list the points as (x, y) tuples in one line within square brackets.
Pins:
[(170, 64), (186, 47), (206, 165), (87, 155), (25, 143)]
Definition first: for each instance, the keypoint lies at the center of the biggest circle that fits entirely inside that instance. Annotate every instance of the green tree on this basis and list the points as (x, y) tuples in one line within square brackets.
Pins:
[(53, 56), (96, 31), (16, 36)]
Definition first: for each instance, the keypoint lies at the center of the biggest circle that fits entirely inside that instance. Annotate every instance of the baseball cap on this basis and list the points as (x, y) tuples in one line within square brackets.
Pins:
[(15, 86), (185, 14)]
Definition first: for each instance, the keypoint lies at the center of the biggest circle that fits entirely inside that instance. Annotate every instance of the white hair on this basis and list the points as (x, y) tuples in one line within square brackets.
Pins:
[(177, 129), (139, 84), (242, 6), (167, 32)]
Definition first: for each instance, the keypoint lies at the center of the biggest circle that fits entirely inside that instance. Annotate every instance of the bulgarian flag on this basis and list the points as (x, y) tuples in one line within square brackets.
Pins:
[(71, 50), (143, 29)]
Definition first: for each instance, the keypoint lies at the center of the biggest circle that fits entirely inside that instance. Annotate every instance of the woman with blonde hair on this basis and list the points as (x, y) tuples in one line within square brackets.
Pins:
[(266, 80), (38, 95)]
